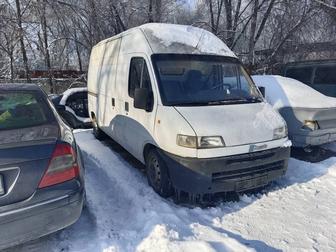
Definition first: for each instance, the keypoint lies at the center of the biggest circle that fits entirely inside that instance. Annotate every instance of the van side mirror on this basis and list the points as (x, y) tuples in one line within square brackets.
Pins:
[(143, 99), (262, 91)]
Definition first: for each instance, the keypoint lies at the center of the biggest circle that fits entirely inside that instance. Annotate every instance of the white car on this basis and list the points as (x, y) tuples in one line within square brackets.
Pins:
[(310, 115), (72, 105), (178, 99)]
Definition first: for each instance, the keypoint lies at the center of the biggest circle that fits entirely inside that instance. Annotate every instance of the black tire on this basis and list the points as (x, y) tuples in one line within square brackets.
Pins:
[(97, 132), (157, 174)]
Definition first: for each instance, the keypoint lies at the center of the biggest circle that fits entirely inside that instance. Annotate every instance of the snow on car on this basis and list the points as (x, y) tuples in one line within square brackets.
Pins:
[(124, 214), (310, 115), (72, 105)]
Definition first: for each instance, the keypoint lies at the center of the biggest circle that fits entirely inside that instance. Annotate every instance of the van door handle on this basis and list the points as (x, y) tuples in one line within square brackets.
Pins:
[(113, 102), (126, 106)]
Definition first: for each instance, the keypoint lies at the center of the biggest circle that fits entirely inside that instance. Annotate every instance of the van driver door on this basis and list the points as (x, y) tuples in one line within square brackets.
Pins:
[(139, 123)]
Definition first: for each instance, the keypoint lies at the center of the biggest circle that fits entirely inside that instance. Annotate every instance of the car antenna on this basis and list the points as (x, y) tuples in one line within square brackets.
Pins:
[(199, 40)]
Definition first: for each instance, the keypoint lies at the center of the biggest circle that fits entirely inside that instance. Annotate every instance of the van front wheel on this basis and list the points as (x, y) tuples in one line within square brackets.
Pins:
[(157, 174)]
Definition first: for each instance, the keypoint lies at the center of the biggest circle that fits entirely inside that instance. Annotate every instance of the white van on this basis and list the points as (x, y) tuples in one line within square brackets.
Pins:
[(179, 101)]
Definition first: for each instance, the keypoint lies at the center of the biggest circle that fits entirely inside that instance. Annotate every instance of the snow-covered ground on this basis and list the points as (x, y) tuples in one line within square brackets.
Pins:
[(124, 214)]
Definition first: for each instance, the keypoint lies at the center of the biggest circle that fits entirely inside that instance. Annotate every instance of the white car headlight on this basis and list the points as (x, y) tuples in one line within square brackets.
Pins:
[(281, 132), (187, 141), (203, 142)]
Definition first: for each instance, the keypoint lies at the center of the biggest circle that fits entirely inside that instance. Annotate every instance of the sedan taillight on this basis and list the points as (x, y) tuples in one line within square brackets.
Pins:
[(62, 166)]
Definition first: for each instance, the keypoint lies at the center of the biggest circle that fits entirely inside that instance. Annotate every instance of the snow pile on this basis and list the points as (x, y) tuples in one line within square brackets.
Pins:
[(124, 214), (170, 34), (287, 92)]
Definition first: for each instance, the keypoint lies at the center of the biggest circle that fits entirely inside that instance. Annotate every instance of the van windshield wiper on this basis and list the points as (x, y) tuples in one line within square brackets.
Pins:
[(229, 101), (254, 99), (242, 100), (232, 100), (190, 104)]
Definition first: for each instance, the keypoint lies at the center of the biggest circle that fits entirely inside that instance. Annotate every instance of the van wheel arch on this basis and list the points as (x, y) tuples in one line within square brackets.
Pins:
[(97, 132), (146, 150), (165, 188)]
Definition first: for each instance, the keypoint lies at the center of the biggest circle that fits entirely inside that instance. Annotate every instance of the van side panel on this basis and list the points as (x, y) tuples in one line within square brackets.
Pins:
[(96, 58)]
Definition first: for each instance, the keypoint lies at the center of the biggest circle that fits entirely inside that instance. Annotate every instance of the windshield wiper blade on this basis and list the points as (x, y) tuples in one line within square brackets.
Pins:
[(190, 104), (230, 100), (221, 102), (254, 99)]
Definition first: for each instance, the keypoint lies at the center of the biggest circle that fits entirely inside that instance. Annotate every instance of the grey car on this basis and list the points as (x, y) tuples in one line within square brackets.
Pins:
[(310, 115), (319, 74), (41, 171)]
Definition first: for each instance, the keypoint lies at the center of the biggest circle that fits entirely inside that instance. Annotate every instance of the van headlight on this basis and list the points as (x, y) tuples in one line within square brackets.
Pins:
[(187, 141), (281, 132), (310, 125), (203, 142)]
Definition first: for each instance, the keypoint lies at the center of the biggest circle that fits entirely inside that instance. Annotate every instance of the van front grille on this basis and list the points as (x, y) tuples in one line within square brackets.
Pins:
[(238, 173), (251, 157)]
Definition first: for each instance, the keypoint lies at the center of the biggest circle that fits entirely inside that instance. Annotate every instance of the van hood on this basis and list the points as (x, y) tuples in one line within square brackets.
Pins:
[(238, 124)]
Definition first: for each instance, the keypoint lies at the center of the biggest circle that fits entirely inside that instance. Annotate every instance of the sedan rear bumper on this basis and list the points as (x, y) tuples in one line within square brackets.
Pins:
[(39, 219)]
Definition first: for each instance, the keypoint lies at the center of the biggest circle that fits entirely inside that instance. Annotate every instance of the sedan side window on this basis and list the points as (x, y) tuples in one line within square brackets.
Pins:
[(302, 74)]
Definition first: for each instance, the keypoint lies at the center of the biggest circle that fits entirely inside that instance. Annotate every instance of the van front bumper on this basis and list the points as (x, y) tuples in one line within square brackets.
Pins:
[(224, 174), (43, 215)]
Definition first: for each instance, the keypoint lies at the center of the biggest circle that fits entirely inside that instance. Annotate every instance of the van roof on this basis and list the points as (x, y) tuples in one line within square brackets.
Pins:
[(172, 38), (311, 62)]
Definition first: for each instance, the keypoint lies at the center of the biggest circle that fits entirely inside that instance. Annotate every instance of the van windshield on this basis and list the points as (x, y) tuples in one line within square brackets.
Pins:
[(196, 80)]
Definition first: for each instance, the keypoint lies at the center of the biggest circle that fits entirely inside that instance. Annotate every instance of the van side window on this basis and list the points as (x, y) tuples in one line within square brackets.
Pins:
[(325, 75), (138, 76), (302, 74)]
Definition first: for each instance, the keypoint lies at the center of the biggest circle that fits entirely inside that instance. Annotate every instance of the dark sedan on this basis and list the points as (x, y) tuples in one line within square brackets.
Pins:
[(41, 171)]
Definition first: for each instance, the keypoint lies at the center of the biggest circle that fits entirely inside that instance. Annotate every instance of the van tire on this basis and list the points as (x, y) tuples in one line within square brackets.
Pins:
[(157, 174), (97, 132)]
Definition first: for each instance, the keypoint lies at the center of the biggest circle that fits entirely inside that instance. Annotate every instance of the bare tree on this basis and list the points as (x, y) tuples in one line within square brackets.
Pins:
[(21, 39), (42, 12)]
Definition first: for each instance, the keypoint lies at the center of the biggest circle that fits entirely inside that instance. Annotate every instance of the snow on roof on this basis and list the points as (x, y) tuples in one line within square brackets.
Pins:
[(171, 38), (71, 91), (288, 92)]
